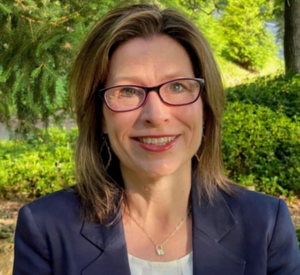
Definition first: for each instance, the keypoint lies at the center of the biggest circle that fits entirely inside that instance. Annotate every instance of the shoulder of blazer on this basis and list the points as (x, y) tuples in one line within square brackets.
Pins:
[(244, 210), (255, 211), (55, 201), (250, 198), (251, 203), (57, 210)]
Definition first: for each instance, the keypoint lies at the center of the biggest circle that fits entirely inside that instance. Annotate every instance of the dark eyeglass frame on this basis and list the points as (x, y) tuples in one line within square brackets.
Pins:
[(152, 89)]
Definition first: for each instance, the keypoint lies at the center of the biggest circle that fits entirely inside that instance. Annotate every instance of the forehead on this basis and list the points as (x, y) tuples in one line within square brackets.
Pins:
[(143, 60)]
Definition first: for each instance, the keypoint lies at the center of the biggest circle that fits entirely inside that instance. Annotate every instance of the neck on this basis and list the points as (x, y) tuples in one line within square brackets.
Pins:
[(162, 199)]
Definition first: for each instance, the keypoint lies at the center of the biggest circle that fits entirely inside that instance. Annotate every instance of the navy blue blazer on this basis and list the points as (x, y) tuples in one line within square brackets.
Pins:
[(249, 234)]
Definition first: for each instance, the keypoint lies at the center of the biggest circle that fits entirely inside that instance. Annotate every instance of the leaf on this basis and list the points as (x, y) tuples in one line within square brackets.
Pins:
[(5, 9), (36, 72)]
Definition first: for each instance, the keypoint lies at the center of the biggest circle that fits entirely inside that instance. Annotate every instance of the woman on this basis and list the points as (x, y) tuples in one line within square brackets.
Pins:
[(151, 196)]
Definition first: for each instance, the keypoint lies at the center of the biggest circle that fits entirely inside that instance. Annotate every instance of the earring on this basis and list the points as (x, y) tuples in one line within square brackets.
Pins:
[(198, 158), (203, 137), (104, 143)]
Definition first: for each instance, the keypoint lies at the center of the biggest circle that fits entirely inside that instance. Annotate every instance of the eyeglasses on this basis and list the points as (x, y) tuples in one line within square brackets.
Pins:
[(177, 92)]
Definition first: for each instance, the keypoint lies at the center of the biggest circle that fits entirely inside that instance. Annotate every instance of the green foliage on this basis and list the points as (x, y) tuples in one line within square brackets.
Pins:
[(37, 166), (202, 14), (298, 236), (261, 148), (280, 93), (212, 31), (39, 41), (278, 15), (262, 134), (249, 42)]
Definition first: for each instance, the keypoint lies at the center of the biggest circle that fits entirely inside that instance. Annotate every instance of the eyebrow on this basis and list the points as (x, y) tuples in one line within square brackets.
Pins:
[(131, 79), (137, 81)]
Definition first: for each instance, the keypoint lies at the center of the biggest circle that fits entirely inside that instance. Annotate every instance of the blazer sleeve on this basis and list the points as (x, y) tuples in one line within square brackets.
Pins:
[(283, 250), (31, 251)]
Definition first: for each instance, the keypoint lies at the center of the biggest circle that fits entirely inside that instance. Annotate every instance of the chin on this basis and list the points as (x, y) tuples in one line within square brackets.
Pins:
[(158, 170)]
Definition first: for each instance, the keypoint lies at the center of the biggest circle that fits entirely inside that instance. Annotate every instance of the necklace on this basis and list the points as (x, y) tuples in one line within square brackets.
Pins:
[(159, 247)]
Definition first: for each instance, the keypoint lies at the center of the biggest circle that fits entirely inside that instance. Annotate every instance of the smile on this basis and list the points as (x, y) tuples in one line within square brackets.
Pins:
[(156, 141)]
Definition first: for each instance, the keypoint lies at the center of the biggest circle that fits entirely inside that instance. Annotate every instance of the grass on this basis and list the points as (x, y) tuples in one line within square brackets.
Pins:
[(233, 74)]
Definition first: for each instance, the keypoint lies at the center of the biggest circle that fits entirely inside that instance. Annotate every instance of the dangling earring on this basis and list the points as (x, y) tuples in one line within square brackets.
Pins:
[(197, 157), (104, 143), (203, 137)]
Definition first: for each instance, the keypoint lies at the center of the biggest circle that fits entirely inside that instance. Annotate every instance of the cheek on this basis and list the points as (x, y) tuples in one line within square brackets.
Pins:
[(117, 124), (193, 114), (192, 117)]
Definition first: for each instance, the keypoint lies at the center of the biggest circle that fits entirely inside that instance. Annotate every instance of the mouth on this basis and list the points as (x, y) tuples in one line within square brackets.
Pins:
[(159, 141)]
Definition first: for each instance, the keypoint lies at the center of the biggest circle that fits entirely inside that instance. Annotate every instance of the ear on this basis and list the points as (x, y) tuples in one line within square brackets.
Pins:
[(103, 124)]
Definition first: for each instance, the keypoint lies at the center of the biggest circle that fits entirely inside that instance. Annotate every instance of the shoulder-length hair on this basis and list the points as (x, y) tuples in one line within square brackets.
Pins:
[(101, 192)]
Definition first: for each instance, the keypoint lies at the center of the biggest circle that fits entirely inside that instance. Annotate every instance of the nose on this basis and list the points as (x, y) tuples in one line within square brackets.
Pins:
[(154, 112)]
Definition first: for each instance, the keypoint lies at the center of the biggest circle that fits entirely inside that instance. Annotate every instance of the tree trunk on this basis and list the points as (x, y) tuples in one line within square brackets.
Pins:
[(292, 35)]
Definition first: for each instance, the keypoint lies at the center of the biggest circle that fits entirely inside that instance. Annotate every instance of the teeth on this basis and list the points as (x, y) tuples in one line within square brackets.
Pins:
[(156, 141)]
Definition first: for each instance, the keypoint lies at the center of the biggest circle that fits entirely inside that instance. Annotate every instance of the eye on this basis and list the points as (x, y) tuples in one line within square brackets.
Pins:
[(129, 91), (176, 87)]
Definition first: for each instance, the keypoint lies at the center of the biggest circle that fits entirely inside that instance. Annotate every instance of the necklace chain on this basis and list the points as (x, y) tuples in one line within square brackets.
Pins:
[(159, 247)]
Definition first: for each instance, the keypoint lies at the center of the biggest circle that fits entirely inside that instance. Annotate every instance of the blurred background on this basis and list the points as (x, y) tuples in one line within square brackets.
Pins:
[(257, 47)]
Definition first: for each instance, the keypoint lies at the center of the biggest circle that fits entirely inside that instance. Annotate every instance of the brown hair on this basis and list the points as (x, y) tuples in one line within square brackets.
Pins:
[(102, 192)]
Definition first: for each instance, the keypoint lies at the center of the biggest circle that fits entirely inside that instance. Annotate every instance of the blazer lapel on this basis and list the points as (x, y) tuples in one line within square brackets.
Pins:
[(210, 224), (110, 240)]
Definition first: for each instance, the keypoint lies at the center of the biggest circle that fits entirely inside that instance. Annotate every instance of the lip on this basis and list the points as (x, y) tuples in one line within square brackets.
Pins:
[(156, 136), (156, 148)]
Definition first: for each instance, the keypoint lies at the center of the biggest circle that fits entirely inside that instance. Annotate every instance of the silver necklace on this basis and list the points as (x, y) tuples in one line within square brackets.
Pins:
[(159, 247)]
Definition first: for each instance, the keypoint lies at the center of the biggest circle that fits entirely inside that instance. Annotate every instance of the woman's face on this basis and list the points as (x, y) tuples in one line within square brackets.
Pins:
[(156, 139)]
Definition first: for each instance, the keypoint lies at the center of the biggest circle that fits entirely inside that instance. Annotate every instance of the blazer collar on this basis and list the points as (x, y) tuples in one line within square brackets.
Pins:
[(103, 235), (112, 258), (215, 219), (211, 222)]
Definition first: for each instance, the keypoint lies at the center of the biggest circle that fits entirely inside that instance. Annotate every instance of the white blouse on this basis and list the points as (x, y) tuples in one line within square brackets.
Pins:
[(182, 266)]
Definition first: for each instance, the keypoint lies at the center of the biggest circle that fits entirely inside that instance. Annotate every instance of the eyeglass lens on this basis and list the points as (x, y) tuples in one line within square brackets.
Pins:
[(177, 92)]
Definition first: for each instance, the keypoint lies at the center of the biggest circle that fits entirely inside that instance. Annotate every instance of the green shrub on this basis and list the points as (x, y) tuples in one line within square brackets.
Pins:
[(298, 236), (201, 15), (37, 166), (211, 30), (250, 44), (280, 93), (261, 148)]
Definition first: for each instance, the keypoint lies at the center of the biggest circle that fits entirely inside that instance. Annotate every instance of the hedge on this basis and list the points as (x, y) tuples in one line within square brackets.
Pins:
[(280, 93), (261, 145), (262, 148), (37, 166)]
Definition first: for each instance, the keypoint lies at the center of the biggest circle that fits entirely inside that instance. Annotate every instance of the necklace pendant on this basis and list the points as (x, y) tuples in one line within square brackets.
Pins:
[(159, 250)]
